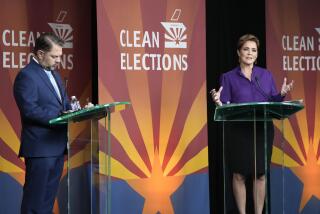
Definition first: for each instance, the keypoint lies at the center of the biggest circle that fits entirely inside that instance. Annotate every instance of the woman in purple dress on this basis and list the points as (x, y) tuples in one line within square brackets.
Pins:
[(248, 83)]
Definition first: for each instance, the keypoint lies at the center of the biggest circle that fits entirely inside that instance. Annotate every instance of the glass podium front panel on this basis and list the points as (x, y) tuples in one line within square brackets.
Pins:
[(87, 174), (248, 138), (87, 168)]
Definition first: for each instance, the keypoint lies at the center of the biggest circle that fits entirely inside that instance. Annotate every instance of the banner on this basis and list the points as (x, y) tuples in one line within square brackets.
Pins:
[(152, 54), (293, 45), (22, 22)]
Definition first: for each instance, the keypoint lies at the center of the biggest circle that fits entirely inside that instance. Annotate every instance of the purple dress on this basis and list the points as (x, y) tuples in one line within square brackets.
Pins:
[(240, 144)]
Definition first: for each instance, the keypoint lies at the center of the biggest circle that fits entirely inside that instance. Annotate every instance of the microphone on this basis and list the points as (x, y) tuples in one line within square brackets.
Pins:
[(65, 96), (269, 98), (65, 84)]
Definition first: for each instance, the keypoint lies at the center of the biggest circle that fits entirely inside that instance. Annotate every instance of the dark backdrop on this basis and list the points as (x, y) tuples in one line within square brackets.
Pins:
[(226, 21)]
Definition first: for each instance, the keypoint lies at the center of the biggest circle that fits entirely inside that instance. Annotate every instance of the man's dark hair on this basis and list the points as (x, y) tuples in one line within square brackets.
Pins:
[(45, 40)]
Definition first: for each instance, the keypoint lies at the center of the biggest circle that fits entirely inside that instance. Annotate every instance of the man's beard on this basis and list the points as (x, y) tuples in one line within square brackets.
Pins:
[(52, 68)]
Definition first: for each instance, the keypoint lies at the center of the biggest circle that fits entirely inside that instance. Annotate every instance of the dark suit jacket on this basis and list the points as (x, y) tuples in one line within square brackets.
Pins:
[(38, 104)]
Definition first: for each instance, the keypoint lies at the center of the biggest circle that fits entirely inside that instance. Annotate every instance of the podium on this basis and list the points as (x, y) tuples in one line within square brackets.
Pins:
[(255, 113), (89, 158)]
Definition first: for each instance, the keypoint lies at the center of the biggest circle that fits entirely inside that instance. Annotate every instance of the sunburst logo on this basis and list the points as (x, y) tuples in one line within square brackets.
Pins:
[(299, 150), (175, 36), (63, 31), (157, 168), (160, 142)]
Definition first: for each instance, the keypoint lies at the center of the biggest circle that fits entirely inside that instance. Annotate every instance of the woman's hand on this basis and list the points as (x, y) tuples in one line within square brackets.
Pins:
[(216, 96), (286, 87)]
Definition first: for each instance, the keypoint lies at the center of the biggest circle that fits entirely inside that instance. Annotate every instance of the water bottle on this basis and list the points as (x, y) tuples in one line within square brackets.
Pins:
[(75, 104), (78, 105)]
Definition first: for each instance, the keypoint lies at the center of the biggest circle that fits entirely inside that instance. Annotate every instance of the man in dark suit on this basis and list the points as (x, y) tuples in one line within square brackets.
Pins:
[(41, 96)]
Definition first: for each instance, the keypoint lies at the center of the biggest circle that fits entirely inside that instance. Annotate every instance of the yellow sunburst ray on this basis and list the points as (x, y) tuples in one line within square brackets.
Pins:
[(281, 158), (196, 120), (137, 82), (78, 159), (56, 206), (122, 135), (301, 115), (139, 93), (170, 97), (117, 169), (19, 177), (81, 157), (199, 161), (303, 127), (8, 167), (8, 134), (308, 174), (157, 189), (290, 137), (10, 138), (172, 82)]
